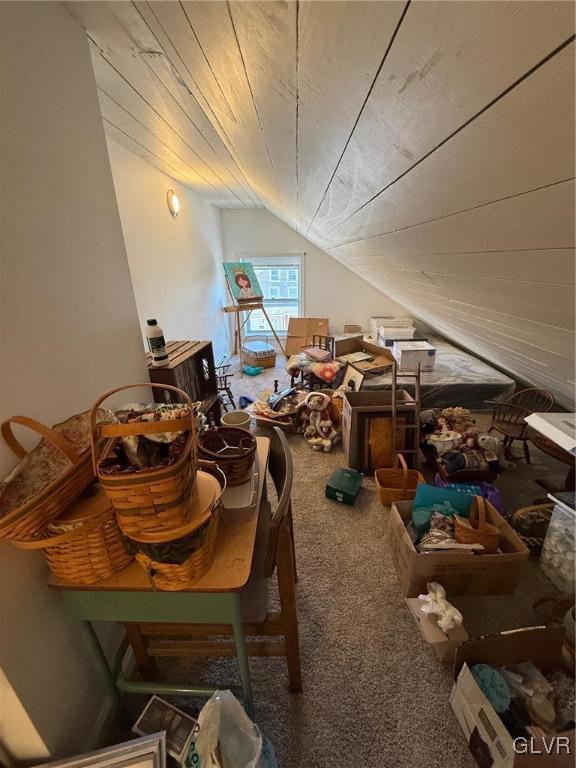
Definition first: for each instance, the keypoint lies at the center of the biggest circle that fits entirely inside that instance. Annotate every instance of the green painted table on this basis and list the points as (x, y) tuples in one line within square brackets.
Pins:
[(214, 599)]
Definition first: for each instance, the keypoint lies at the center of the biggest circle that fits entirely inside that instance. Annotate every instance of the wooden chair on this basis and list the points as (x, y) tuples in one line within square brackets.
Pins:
[(274, 551), (508, 416), (307, 379), (223, 383)]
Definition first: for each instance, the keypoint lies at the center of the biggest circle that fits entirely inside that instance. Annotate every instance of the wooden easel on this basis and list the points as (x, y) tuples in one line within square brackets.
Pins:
[(248, 306)]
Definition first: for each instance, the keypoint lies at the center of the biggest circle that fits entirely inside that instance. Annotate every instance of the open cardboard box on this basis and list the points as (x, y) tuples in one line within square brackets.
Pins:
[(459, 574), (300, 332), (491, 744), (444, 644), (382, 358), (358, 408)]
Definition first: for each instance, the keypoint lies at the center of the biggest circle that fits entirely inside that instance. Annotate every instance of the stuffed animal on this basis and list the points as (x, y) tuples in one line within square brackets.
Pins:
[(494, 451), (460, 419), (428, 421), (319, 431)]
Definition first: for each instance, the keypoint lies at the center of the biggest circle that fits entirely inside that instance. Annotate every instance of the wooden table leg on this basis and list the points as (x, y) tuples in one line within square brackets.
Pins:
[(243, 665), (145, 663)]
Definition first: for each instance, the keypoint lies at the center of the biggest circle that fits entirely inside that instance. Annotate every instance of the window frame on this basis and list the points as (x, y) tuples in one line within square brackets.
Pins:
[(278, 262)]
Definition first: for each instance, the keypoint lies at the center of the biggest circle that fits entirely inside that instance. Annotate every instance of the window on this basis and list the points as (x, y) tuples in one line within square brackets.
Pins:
[(280, 278)]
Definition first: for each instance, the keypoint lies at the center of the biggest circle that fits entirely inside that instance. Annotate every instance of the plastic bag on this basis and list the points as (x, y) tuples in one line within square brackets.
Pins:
[(227, 738)]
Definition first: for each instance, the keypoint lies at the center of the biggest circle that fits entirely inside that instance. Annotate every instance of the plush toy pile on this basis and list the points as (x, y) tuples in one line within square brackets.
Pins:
[(453, 437)]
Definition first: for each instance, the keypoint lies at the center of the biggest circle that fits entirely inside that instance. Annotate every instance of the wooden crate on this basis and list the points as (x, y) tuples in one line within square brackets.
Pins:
[(191, 368)]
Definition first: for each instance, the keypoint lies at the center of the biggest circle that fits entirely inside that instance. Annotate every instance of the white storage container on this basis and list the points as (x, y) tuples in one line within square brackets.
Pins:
[(408, 354), (390, 322), (386, 332), (557, 558)]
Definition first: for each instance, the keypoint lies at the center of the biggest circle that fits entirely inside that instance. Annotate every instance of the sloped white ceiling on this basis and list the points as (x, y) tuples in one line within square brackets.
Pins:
[(429, 145)]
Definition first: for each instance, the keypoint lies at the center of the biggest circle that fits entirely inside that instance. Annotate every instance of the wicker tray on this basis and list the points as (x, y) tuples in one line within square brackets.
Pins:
[(149, 499), (47, 479), (85, 544), (232, 448)]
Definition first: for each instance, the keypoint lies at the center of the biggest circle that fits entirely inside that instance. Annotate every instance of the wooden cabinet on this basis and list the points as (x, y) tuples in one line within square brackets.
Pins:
[(190, 367)]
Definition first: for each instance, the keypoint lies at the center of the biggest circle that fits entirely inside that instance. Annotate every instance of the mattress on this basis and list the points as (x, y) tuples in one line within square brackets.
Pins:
[(458, 378)]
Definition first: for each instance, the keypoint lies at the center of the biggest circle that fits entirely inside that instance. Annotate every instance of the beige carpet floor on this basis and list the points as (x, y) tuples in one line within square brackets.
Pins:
[(374, 693)]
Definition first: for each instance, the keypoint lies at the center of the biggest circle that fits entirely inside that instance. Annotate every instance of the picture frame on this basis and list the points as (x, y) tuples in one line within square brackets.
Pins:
[(353, 375), (144, 752), (179, 727), (242, 281)]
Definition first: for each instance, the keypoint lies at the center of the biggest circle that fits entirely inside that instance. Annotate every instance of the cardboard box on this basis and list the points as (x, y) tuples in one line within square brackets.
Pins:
[(410, 354), (381, 357), (444, 644), (301, 330), (357, 408), (459, 574), (490, 742)]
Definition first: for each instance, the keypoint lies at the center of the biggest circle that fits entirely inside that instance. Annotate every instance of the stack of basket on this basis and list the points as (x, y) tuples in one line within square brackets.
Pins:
[(169, 515), (165, 516), (42, 507)]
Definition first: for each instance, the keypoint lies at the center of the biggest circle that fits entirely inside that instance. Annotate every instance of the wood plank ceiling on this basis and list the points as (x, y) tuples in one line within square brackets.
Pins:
[(428, 146)]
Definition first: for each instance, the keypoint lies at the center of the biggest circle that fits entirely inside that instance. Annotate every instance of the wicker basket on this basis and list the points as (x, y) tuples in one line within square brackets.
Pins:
[(85, 544), (174, 560), (75, 474), (398, 484), (475, 529), (148, 499), (232, 448), (337, 407)]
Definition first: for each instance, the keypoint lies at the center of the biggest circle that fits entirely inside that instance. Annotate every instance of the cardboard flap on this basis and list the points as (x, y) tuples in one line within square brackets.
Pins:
[(301, 330), (541, 645)]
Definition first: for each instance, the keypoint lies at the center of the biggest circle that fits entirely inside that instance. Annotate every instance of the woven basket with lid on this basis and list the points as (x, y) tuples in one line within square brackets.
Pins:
[(175, 559), (84, 544)]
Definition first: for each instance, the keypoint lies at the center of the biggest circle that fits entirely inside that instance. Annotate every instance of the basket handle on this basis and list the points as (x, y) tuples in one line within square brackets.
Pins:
[(57, 440), (481, 507), (63, 537), (135, 428), (400, 460)]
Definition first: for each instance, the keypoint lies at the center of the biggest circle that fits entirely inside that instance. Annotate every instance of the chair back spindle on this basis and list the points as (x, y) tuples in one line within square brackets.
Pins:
[(282, 472)]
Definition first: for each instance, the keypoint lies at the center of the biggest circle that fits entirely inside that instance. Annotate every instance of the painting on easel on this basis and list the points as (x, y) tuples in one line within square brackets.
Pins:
[(242, 281)]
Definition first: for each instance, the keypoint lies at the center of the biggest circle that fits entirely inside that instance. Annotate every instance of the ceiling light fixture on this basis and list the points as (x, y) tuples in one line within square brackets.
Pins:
[(173, 203)]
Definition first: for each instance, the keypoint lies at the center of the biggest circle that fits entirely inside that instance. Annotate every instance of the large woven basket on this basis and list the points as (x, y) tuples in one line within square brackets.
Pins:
[(397, 484), (57, 486), (148, 499), (174, 560), (475, 530), (85, 544), (232, 448)]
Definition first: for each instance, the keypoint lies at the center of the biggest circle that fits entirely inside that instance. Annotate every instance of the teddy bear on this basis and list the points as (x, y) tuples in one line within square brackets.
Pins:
[(494, 451), (319, 430)]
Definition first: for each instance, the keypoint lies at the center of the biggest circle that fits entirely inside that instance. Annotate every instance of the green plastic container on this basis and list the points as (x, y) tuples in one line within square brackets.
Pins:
[(344, 485)]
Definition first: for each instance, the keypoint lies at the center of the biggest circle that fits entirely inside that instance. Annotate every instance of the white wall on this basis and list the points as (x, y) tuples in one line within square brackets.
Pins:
[(176, 264), (69, 331), (330, 289)]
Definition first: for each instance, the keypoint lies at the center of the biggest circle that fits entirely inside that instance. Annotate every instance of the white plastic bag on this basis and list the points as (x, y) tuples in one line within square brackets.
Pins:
[(227, 738)]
